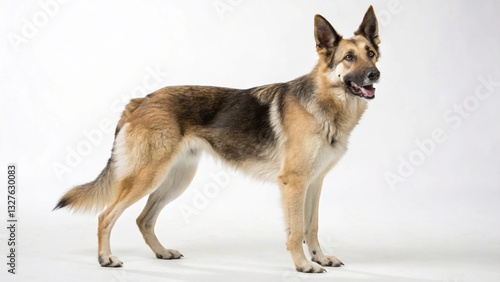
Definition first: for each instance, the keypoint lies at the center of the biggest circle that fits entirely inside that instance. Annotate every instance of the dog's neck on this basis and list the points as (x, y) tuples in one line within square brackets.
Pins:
[(336, 110)]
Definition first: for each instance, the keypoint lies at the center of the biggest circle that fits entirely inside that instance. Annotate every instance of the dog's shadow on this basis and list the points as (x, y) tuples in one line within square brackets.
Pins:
[(234, 261)]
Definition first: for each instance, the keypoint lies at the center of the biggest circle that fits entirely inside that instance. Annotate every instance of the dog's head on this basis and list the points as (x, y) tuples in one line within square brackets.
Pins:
[(350, 63)]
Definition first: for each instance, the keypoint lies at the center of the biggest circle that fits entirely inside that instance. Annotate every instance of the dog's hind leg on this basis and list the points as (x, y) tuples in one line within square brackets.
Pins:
[(131, 189), (176, 182), (142, 157)]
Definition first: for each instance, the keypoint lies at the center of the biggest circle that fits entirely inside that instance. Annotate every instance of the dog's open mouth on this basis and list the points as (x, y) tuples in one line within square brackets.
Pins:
[(365, 91)]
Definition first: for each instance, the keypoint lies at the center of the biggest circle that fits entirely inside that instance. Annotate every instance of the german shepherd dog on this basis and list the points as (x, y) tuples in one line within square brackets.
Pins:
[(292, 133)]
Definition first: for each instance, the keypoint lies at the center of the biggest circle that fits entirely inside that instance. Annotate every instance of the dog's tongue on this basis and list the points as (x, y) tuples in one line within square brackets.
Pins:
[(368, 91)]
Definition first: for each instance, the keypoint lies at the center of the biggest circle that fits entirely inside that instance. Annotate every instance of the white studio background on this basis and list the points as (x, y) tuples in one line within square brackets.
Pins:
[(416, 198)]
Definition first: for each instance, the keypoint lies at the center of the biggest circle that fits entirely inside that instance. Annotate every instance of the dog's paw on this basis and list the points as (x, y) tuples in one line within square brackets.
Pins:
[(310, 267), (327, 261), (169, 254), (110, 261)]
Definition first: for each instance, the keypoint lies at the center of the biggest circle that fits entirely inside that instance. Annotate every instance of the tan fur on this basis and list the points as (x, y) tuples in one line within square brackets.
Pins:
[(291, 133)]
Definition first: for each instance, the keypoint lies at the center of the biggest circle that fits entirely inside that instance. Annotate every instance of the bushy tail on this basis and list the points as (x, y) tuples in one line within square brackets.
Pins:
[(95, 195), (92, 196)]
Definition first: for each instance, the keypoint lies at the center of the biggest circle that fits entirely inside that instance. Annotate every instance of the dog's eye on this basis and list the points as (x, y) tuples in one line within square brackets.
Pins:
[(349, 57), (371, 54)]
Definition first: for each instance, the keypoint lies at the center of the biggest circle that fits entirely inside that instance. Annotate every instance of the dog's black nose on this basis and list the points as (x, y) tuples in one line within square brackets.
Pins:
[(374, 75)]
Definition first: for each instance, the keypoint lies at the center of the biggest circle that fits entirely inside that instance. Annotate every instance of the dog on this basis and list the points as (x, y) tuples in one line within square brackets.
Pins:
[(291, 133)]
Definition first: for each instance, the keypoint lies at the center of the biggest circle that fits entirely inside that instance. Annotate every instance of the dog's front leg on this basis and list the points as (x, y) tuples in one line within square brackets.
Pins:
[(311, 226), (294, 188)]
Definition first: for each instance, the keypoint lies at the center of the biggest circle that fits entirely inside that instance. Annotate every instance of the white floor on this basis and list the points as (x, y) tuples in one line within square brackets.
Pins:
[(239, 237)]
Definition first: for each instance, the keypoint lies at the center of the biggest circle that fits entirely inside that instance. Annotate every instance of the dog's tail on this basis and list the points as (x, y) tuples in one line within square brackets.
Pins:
[(95, 195), (92, 196)]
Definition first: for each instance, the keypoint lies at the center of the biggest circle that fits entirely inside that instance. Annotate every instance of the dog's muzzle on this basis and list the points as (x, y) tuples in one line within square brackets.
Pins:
[(365, 87)]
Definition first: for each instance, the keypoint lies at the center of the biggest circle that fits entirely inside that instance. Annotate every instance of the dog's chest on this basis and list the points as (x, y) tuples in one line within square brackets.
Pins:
[(334, 134), (328, 154)]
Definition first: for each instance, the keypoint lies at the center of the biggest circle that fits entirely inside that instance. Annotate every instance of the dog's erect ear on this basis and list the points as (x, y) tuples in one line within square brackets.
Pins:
[(326, 37), (369, 27)]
